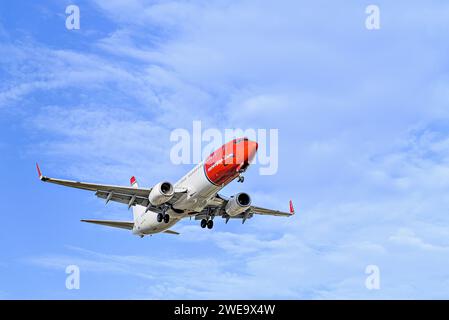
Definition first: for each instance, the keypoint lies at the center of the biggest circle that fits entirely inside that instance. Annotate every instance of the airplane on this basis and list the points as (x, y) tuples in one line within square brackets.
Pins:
[(157, 209)]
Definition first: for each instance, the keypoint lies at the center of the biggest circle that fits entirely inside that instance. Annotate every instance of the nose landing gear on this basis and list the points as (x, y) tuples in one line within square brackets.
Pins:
[(241, 177)]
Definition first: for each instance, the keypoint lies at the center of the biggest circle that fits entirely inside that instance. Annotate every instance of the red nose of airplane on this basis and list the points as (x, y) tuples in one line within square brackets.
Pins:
[(251, 146)]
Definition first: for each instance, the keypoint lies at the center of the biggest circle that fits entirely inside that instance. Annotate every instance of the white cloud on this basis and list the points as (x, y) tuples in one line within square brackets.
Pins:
[(405, 236)]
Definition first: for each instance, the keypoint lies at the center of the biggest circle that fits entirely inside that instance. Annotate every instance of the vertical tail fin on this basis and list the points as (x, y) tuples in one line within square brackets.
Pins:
[(137, 209)]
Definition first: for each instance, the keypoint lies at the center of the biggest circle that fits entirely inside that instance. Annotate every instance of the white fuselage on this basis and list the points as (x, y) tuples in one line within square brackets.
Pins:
[(199, 192)]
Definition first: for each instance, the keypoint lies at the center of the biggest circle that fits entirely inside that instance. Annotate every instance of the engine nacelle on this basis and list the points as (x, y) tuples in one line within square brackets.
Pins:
[(238, 204), (161, 193)]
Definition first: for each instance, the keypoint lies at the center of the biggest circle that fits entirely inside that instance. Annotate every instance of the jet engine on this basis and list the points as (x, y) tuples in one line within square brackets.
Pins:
[(238, 204), (161, 193)]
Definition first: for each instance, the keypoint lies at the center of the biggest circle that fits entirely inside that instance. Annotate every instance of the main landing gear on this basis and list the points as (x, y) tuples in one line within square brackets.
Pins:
[(163, 216), (207, 223)]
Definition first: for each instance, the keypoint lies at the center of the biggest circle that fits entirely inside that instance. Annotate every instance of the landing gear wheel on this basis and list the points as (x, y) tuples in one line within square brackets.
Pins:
[(166, 218), (210, 224), (159, 217), (203, 223), (241, 179)]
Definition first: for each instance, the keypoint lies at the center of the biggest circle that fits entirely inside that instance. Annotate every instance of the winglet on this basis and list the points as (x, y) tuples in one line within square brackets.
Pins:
[(132, 181), (292, 210), (39, 171)]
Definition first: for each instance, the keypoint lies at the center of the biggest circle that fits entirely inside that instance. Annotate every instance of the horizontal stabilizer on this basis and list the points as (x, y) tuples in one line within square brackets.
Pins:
[(115, 224), (171, 232)]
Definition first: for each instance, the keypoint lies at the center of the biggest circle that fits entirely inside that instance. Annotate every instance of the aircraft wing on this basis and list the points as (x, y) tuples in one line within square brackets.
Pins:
[(270, 212), (216, 207), (127, 195)]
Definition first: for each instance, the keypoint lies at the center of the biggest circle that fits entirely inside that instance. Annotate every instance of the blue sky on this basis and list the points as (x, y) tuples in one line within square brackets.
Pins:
[(363, 119)]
